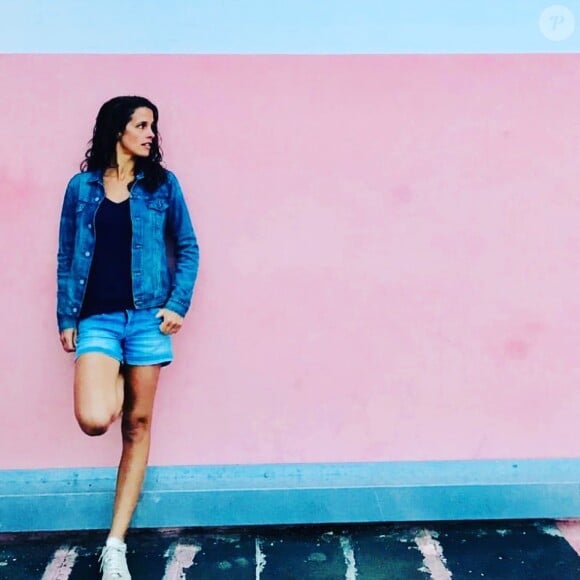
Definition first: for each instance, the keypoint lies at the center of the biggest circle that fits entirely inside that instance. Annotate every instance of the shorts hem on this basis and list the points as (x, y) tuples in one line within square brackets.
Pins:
[(146, 363), (89, 349)]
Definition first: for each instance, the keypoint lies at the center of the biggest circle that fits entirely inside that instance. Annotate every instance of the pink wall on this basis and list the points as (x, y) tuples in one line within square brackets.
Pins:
[(390, 256)]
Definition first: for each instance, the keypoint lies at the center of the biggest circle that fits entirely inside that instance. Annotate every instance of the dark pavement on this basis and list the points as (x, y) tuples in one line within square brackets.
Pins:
[(515, 550)]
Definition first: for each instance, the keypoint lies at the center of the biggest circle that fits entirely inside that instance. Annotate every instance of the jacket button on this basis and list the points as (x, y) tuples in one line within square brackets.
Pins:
[(81, 281), (90, 226), (75, 309), (96, 199), (87, 254)]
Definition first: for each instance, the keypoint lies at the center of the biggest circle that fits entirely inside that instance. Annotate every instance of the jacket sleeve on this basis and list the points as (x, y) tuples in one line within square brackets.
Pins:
[(66, 239), (186, 249)]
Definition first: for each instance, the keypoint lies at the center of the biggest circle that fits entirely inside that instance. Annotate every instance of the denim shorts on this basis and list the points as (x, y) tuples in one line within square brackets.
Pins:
[(130, 336)]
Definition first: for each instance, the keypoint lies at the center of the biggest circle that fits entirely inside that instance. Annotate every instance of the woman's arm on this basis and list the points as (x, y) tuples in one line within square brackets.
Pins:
[(186, 250), (66, 240)]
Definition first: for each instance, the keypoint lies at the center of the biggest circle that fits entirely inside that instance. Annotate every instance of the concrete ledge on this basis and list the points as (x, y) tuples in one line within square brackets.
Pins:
[(79, 499)]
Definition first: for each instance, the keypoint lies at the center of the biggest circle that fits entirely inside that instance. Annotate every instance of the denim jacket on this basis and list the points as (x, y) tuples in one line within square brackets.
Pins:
[(159, 220)]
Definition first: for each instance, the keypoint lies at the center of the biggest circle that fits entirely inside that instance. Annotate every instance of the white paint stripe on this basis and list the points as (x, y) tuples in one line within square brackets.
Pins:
[(181, 558), (349, 560), (61, 565), (260, 559), (550, 530), (433, 559), (570, 530)]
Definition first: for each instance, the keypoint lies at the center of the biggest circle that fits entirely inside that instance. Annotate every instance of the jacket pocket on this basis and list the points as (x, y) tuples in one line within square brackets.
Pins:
[(157, 212), (160, 204)]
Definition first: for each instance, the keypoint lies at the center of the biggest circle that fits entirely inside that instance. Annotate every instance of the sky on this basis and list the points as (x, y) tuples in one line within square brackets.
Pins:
[(288, 26)]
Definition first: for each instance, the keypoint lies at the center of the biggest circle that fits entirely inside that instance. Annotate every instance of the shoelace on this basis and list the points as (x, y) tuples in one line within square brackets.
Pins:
[(113, 561)]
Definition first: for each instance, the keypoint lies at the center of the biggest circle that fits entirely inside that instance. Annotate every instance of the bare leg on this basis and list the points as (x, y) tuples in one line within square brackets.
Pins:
[(97, 398), (120, 391), (140, 388)]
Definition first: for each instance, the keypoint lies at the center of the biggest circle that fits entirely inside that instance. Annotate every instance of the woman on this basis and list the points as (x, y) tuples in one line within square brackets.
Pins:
[(119, 301)]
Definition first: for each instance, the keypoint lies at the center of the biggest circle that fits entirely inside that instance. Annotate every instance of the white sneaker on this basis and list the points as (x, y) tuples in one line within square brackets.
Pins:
[(114, 563)]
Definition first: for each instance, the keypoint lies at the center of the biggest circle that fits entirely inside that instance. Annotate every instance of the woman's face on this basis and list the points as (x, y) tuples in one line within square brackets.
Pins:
[(138, 135)]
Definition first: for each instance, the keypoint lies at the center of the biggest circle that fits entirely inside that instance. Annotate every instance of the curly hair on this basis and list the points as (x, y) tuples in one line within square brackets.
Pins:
[(112, 119)]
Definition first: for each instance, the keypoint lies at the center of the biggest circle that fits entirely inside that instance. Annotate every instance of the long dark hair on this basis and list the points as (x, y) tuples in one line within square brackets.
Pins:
[(112, 119)]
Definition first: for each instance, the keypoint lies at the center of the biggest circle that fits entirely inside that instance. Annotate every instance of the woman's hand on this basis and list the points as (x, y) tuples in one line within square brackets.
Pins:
[(68, 339), (172, 322)]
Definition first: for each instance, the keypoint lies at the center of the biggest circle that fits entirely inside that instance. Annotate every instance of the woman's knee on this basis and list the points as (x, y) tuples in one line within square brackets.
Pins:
[(96, 388), (135, 427), (94, 424)]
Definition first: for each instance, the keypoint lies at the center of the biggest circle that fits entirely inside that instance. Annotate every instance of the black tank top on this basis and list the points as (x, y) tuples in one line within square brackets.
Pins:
[(109, 287)]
